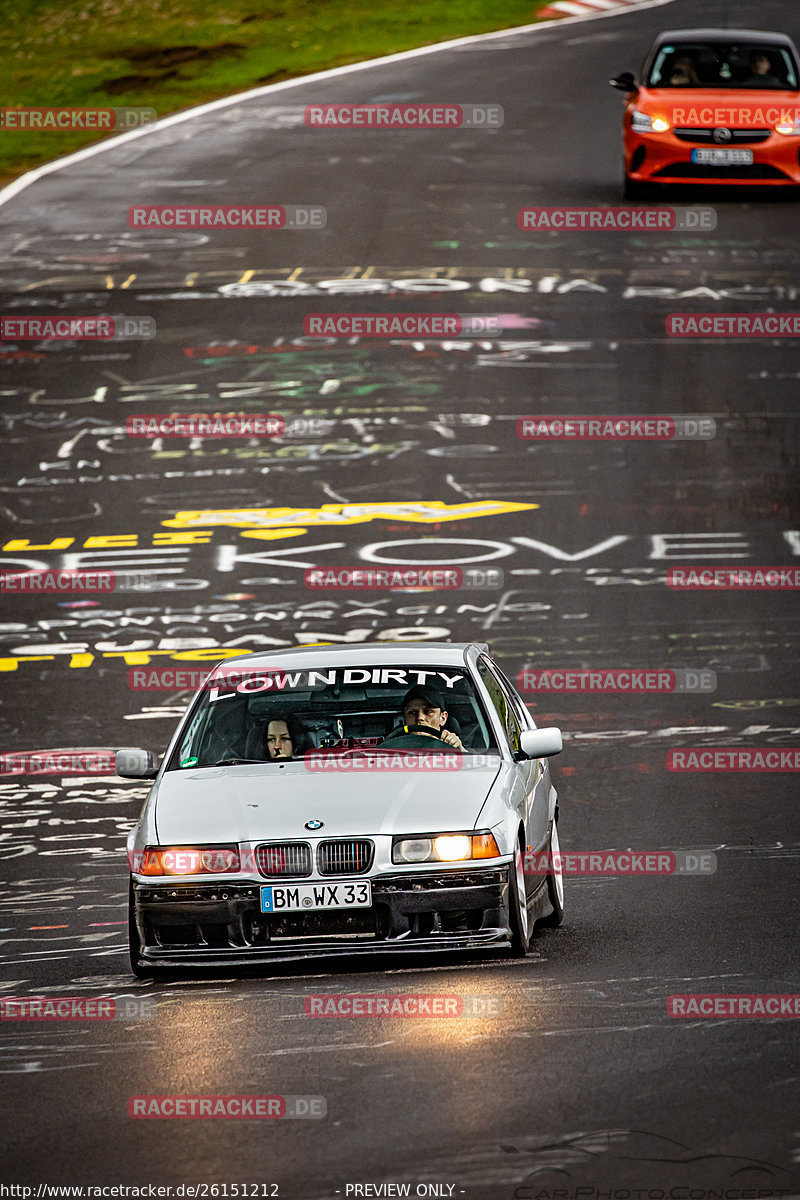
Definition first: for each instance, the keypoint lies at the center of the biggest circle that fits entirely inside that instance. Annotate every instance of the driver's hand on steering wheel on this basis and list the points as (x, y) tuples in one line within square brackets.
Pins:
[(451, 738)]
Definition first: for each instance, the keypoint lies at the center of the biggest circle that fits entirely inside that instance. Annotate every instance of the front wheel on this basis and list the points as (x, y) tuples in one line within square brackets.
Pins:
[(555, 882), (632, 189), (518, 909), (134, 941)]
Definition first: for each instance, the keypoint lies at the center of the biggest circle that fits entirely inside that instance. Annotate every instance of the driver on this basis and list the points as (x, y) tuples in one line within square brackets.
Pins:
[(424, 708), (683, 73), (761, 72)]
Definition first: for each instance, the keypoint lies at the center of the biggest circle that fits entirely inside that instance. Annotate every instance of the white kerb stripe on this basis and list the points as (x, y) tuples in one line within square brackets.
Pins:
[(606, 3)]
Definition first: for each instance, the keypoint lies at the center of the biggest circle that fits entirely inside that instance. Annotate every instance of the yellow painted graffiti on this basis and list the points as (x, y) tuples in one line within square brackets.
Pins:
[(423, 511), (131, 658), (269, 523)]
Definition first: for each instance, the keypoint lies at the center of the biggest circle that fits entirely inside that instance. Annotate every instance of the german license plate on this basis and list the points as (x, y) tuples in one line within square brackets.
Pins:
[(724, 158), (308, 897)]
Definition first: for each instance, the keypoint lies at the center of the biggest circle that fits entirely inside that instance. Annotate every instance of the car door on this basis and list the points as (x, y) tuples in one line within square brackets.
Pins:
[(524, 771), (533, 773)]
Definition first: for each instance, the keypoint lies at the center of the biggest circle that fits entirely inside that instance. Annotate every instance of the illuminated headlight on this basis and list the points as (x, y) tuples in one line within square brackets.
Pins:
[(451, 847), (788, 128), (643, 123), (189, 860), (445, 847)]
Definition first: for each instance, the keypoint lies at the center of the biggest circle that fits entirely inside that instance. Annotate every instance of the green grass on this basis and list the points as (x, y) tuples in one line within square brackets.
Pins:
[(174, 54)]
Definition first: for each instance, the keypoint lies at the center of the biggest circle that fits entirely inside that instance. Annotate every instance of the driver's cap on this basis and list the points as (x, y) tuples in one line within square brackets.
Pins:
[(430, 695)]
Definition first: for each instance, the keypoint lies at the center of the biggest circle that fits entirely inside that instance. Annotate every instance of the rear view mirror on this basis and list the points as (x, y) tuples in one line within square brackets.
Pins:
[(541, 743), (136, 764), (624, 82)]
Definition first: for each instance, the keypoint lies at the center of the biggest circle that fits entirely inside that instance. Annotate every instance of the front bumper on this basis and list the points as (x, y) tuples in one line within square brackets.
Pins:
[(664, 158), (218, 924)]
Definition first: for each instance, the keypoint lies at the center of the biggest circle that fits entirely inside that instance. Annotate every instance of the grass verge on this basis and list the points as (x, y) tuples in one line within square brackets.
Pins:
[(173, 54)]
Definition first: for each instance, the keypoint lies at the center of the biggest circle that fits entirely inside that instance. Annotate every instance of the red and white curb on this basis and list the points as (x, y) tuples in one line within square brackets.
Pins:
[(585, 8)]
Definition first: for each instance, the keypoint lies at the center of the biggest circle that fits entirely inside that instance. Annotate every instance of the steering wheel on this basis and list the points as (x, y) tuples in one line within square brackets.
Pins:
[(404, 729)]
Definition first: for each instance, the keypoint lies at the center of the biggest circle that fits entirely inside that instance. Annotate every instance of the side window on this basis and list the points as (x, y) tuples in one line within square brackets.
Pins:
[(520, 711), (213, 733), (501, 703), (188, 748)]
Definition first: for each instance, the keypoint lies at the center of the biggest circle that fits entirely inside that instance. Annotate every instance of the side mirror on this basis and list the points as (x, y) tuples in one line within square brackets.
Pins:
[(136, 764), (624, 82), (541, 743)]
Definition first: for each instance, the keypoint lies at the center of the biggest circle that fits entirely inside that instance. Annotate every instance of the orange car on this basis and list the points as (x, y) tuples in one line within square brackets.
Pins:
[(713, 106)]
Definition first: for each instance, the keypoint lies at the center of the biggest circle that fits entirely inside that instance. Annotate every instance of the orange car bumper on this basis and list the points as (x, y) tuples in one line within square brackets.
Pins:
[(665, 158)]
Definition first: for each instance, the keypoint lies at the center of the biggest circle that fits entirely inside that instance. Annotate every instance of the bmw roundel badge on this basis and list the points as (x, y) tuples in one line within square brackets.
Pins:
[(314, 824)]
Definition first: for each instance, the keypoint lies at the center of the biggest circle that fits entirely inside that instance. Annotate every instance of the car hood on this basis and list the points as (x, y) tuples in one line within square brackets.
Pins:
[(251, 803), (700, 98)]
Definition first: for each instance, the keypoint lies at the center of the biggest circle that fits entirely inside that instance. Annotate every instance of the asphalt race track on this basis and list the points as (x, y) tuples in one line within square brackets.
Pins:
[(576, 1077)]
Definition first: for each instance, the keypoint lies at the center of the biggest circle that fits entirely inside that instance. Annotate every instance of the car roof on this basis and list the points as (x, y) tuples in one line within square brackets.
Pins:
[(724, 35), (354, 654)]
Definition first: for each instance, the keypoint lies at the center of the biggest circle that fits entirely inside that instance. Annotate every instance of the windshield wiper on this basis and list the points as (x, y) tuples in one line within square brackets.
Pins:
[(232, 762), (436, 748)]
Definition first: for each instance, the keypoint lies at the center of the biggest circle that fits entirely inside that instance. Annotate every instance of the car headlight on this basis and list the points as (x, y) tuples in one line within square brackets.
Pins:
[(643, 123), (788, 128), (444, 847), (188, 860)]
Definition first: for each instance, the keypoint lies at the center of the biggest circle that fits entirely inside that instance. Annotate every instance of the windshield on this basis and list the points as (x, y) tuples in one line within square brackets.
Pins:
[(271, 716), (723, 65)]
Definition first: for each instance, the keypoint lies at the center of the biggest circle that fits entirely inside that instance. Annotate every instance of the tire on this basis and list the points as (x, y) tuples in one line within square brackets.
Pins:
[(555, 884), (633, 190), (134, 941), (519, 921)]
